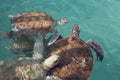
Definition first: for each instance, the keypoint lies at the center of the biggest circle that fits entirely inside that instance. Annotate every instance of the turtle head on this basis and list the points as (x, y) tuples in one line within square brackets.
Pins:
[(51, 61), (62, 21), (75, 31)]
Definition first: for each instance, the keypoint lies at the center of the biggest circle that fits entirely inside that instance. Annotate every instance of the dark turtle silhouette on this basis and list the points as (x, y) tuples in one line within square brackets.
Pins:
[(76, 57)]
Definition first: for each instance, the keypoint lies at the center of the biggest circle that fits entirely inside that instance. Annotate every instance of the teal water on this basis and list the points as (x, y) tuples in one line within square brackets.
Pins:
[(98, 20)]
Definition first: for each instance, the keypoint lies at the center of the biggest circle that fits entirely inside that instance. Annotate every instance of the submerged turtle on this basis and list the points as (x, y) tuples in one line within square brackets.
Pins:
[(27, 68), (24, 43), (36, 22), (76, 61), (34, 68)]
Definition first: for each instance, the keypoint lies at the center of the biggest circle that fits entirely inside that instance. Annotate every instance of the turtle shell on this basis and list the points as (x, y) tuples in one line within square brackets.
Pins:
[(76, 59), (33, 21), (22, 69)]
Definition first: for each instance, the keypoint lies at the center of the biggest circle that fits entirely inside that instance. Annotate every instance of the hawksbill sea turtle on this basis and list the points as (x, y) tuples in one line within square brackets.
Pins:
[(36, 22), (76, 61)]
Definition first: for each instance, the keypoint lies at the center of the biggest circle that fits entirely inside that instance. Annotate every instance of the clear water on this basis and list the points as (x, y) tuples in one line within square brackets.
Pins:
[(98, 20)]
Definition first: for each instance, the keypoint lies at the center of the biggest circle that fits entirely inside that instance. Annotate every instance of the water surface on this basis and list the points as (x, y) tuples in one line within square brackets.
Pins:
[(98, 20)]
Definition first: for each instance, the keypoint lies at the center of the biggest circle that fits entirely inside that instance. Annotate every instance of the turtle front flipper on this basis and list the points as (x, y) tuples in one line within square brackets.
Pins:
[(54, 37), (38, 47), (9, 34), (97, 48)]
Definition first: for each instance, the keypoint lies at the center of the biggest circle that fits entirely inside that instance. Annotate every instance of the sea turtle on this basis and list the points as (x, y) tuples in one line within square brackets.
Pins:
[(24, 43), (36, 22), (34, 68), (76, 61), (27, 68)]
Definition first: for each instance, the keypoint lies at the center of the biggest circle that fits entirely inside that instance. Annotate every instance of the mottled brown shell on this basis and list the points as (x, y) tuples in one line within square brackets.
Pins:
[(35, 21), (76, 59)]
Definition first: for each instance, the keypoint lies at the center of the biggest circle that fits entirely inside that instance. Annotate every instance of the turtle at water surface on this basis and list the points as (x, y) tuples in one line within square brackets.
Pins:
[(76, 61), (36, 22)]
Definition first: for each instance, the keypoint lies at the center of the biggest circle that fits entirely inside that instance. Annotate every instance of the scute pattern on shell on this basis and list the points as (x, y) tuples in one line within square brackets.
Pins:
[(30, 72), (76, 60), (22, 69), (36, 21)]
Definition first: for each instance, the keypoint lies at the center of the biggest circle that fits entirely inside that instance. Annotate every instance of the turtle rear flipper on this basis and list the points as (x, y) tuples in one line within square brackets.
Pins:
[(54, 38), (97, 48)]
